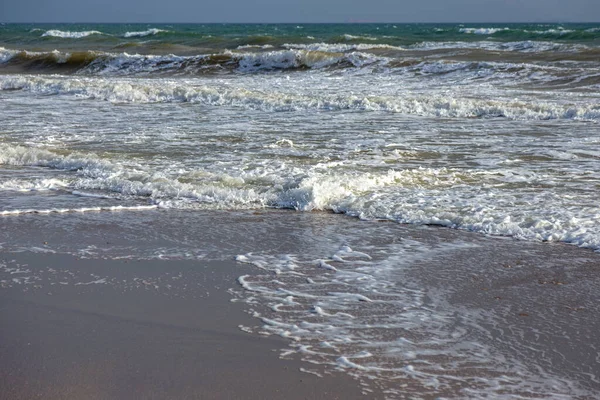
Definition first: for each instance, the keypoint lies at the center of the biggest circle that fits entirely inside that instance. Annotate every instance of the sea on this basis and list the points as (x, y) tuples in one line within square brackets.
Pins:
[(491, 130)]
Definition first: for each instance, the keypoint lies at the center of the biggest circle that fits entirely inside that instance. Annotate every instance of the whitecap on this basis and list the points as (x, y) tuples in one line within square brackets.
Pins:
[(152, 31), (353, 37), (482, 31), (70, 35)]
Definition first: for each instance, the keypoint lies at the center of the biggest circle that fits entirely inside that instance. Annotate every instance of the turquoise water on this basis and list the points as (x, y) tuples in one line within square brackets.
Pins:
[(229, 36), (219, 48)]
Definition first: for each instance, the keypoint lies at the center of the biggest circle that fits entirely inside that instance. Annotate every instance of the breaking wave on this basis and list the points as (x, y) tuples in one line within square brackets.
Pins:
[(340, 47), (92, 62), (152, 91), (416, 196), (78, 35), (355, 37), (482, 31), (70, 35), (149, 32), (309, 57)]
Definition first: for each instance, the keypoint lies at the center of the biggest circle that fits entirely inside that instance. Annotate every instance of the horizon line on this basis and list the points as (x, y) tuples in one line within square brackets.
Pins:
[(349, 22)]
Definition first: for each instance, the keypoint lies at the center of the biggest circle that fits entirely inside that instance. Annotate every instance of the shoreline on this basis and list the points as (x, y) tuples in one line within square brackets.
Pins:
[(115, 305)]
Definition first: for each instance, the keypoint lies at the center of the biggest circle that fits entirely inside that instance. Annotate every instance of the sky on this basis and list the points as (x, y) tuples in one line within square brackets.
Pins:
[(299, 11)]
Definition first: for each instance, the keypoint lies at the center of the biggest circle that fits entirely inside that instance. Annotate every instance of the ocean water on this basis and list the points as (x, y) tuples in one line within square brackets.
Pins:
[(491, 129)]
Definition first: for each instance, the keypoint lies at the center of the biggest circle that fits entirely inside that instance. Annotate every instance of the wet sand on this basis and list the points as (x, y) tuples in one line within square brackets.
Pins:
[(160, 330), (111, 321)]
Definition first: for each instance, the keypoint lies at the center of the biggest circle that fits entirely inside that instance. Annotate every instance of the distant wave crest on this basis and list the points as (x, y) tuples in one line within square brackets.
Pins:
[(70, 35), (482, 31), (149, 32)]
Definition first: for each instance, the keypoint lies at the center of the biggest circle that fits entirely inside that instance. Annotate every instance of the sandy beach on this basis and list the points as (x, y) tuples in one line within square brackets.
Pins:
[(66, 338), (106, 326)]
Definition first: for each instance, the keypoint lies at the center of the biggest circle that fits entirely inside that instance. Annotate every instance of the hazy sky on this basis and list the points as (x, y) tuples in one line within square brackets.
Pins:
[(299, 10)]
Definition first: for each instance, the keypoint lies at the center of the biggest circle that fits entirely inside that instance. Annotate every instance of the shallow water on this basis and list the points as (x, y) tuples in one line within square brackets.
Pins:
[(409, 311)]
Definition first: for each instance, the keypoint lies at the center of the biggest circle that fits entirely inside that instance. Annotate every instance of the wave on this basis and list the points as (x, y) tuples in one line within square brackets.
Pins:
[(552, 32), (149, 32), (298, 59), (150, 91), (20, 185), (340, 47), (76, 210), (47, 61), (257, 58), (416, 196), (6, 55), (482, 31), (355, 37), (19, 155), (91, 62), (90, 173), (70, 35), (124, 64), (255, 46), (530, 34), (525, 46)]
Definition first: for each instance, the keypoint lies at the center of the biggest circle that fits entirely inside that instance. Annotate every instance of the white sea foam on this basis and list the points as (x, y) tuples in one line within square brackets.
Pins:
[(152, 31), (482, 31), (528, 46), (22, 185), (6, 54), (354, 37), (70, 35), (417, 196), (125, 64), (451, 106), (101, 281), (255, 46), (92, 173), (384, 327), (553, 31), (340, 47), (268, 60), (130, 64), (89, 165), (76, 210), (287, 59)]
